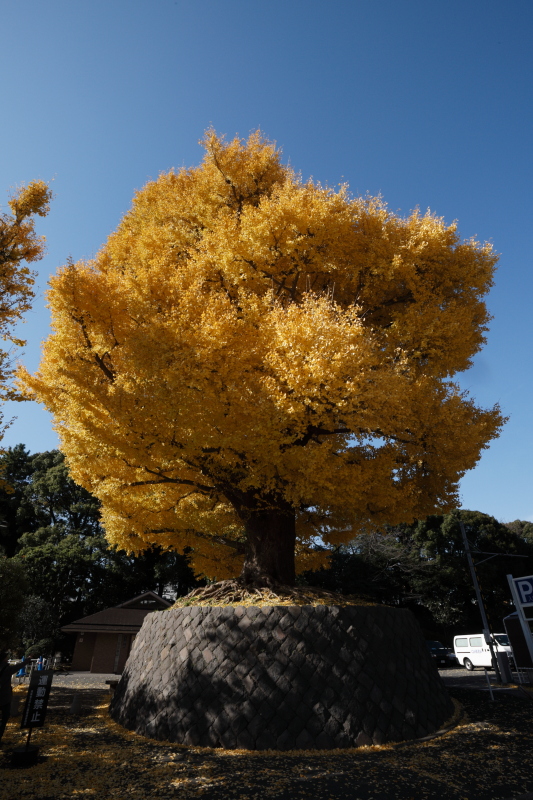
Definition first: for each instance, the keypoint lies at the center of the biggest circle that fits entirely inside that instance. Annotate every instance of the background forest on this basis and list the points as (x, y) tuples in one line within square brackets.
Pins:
[(56, 565)]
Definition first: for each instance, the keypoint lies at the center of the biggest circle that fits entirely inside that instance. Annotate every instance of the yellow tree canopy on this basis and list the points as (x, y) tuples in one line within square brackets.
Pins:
[(18, 244), (253, 361)]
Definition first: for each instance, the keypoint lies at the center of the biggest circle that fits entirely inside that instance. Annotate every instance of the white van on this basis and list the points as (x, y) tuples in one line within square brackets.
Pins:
[(473, 651)]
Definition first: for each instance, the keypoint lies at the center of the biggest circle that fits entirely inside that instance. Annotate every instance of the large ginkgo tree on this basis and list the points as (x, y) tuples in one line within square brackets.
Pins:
[(254, 363)]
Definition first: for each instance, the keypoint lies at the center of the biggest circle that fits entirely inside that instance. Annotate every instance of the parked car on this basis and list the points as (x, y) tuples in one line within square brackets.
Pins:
[(442, 656), (472, 651)]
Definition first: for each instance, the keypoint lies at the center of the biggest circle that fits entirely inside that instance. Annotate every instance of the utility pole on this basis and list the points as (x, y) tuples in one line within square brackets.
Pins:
[(486, 629)]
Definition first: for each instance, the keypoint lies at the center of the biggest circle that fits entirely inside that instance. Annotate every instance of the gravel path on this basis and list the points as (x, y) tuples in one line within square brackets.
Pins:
[(83, 680)]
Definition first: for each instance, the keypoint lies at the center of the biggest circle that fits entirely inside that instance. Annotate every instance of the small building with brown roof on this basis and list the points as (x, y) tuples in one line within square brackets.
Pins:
[(104, 640)]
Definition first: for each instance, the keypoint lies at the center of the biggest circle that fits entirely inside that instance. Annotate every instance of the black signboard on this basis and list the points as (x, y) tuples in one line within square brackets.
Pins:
[(37, 700)]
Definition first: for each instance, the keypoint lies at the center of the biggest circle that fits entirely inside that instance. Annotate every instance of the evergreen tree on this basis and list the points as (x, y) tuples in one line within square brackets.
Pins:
[(54, 536)]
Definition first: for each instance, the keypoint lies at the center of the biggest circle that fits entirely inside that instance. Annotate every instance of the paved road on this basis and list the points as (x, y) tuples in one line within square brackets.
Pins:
[(89, 680), (476, 679), (464, 679), (461, 678), (86, 683)]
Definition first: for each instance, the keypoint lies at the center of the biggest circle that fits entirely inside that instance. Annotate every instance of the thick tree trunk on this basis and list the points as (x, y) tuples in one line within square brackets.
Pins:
[(270, 543)]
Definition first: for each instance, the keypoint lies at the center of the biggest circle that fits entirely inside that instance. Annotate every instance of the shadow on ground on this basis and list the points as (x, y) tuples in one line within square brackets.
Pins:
[(489, 756)]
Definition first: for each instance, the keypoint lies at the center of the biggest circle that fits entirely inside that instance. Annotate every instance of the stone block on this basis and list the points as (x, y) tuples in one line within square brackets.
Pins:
[(267, 710), (256, 726), (339, 686), (314, 726), (284, 741), (280, 656), (238, 724), (324, 742), (248, 710), (266, 741), (363, 740), (220, 722), (279, 634), (245, 741), (304, 741), (295, 727), (294, 611), (301, 623), (286, 621), (376, 695)]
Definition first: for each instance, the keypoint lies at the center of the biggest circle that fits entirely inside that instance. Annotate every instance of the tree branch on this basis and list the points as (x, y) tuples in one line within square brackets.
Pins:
[(312, 432), (179, 481), (239, 547), (109, 373)]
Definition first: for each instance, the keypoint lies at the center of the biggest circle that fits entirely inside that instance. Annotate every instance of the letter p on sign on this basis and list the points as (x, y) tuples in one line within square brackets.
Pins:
[(525, 590)]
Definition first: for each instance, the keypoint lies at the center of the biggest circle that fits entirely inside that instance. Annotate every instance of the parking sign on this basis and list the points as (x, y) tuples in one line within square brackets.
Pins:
[(524, 587), (522, 594)]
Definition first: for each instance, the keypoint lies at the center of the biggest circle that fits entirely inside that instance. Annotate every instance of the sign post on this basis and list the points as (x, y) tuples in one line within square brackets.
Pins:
[(33, 716), (522, 594)]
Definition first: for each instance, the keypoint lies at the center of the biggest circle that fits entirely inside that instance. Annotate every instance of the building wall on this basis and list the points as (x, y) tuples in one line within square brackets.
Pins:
[(104, 652), (127, 641), (83, 651), (111, 651)]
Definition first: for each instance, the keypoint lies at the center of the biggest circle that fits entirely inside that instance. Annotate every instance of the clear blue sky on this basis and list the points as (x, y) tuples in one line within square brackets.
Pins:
[(428, 102)]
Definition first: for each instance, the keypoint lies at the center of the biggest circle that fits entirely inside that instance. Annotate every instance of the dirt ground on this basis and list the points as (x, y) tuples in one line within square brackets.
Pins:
[(487, 756)]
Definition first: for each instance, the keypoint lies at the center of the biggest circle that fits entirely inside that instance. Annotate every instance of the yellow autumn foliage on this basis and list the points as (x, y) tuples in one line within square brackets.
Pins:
[(19, 245), (248, 342)]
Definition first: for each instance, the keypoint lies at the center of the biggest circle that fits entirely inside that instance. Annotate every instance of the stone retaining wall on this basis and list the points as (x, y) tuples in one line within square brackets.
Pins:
[(281, 677)]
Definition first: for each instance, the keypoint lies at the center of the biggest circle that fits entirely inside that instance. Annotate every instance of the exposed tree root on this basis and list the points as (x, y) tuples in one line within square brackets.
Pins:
[(235, 593)]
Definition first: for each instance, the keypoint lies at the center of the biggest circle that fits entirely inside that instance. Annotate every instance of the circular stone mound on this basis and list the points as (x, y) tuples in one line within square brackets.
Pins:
[(281, 677)]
